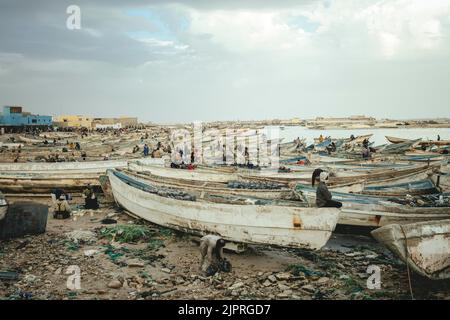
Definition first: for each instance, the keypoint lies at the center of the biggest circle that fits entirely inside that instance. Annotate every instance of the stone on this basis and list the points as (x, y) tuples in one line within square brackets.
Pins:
[(267, 283), (30, 278), (81, 236), (90, 253), (135, 263), (272, 278), (283, 286), (285, 294), (166, 270), (115, 284), (236, 285), (309, 288), (235, 293), (283, 276), (323, 280)]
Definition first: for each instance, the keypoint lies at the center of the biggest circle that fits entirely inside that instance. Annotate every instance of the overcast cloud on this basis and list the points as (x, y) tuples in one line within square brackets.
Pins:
[(169, 61)]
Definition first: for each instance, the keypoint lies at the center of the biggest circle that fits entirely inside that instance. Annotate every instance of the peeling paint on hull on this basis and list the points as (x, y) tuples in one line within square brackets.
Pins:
[(424, 246), (273, 225)]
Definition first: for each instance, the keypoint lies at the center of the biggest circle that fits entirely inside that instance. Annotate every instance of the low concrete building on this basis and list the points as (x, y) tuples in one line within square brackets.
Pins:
[(73, 121), (114, 123), (14, 116)]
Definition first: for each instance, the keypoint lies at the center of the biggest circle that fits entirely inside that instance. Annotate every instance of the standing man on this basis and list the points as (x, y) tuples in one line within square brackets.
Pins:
[(146, 150)]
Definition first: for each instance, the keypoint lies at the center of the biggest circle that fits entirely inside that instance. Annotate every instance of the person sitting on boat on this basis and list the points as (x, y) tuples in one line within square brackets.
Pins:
[(323, 195), (366, 143), (321, 139), (211, 249), (90, 200), (61, 209)]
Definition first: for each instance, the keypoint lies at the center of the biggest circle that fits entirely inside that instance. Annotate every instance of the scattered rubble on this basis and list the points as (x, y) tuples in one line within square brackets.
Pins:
[(143, 261)]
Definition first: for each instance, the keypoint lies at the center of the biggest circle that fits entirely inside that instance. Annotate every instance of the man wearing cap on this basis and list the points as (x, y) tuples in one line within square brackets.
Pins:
[(323, 195)]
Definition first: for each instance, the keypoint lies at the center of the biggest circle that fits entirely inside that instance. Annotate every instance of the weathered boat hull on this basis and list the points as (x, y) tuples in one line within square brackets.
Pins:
[(211, 187), (375, 211), (282, 226), (396, 140), (81, 167), (39, 184), (424, 246)]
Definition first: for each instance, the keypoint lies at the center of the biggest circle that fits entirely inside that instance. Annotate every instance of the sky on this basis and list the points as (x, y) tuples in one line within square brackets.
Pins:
[(205, 60)]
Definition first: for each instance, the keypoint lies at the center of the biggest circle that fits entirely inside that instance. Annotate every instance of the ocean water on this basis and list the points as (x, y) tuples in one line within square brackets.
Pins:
[(290, 133)]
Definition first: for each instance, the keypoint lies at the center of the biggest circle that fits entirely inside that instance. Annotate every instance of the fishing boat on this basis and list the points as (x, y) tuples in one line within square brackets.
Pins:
[(413, 187), (436, 143), (376, 211), (194, 175), (249, 223), (43, 177), (237, 188), (38, 183), (396, 140), (399, 147), (29, 140), (424, 246), (74, 167)]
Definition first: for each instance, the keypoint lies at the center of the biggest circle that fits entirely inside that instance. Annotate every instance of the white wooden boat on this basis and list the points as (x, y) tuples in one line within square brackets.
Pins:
[(263, 224), (30, 140), (425, 246), (188, 185), (375, 211), (196, 175), (81, 167), (38, 183), (11, 145), (396, 140)]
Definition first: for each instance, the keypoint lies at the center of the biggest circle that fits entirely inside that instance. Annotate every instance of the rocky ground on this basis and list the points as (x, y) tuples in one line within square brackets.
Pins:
[(136, 260)]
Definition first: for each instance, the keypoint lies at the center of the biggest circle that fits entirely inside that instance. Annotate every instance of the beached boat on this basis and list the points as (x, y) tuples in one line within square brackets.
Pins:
[(81, 167), (38, 183), (399, 148), (264, 224), (195, 175), (29, 140), (424, 246), (43, 177), (237, 188), (376, 211), (396, 140), (436, 143)]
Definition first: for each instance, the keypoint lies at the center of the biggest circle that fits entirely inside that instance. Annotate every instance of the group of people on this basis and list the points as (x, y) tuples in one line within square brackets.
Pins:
[(61, 206)]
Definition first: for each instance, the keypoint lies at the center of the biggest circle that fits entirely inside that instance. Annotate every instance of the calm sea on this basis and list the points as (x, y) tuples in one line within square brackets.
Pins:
[(290, 133)]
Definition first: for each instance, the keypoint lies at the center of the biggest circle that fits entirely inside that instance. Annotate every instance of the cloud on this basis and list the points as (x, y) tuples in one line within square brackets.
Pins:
[(206, 60)]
